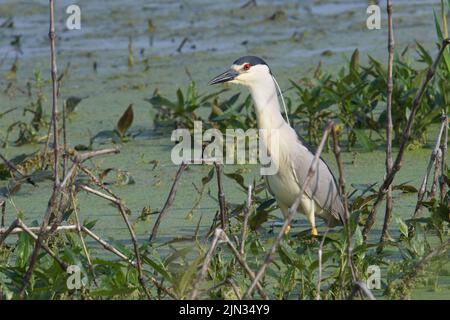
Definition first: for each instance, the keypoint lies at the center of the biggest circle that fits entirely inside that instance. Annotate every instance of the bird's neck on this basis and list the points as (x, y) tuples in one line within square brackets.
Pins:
[(266, 105)]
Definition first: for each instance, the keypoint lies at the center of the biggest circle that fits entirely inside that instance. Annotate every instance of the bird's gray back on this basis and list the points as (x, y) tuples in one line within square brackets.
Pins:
[(322, 187)]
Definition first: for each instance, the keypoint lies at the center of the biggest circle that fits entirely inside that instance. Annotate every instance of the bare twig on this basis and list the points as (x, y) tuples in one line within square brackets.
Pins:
[(319, 252), (113, 250), (123, 212), (82, 157), (12, 168), (433, 159), (220, 235), (390, 86), (17, 229), (292, 210), (442, 184), (206, 262), (106, 245), (244, 265), (27, 230), (360, 286), (437, 174), (100, 194), (3, 210), (169, 201), (343, 193), (405, 139), (409, 278), (5, 233), (53, 202), (221, 197), (65, 154), (83, 243), (235, 288), (248, 211)]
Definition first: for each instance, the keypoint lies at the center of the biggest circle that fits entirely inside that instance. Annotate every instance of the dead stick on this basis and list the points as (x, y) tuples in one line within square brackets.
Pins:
[(292, 211), (114, 199), (360, 287), (37, 229), (169, 201), (319, 253), (405, 139), (8, 231), (431, 163), (44, 246), (343, 193), (437, 174), (244, 265), (442, 183), (205, 265), (3, 209), (100, 194), (390, 86), (221, 197), (247, 213), (83, 243)]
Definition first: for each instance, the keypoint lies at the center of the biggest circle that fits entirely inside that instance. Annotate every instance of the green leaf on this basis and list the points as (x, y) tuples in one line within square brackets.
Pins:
[(159, 267), (364, 140), (125, 121), (402, 227), (354, 62), (188, 276)]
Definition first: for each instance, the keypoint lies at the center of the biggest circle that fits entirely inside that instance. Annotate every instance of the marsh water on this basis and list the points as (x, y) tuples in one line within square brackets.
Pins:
[(292, 36)]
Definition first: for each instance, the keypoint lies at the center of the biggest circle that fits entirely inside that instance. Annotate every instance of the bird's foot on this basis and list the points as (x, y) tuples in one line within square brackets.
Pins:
[(314, 232), (288, 228)]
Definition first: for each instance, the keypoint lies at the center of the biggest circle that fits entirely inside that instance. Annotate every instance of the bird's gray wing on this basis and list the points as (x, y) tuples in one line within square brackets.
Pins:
[(322, 187)]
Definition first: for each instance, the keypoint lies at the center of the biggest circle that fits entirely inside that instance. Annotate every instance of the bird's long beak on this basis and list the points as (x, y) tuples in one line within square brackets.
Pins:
[(225, 77)]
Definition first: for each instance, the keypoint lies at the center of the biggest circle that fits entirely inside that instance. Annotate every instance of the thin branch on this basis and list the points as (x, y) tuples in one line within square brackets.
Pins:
[(244, 265), (83, 243), (405, 139), (442, 183), (221, 197), (437, 174), (431, 163), (169, 201), (360, 287), (3, 211), (17, 229), (100, 194), (5, 233), (292, 210), (409, 278), (206, 262), (390, 87), (320, 251), (343, 193), (106, 245), (123, 212), (44, 246), (247, 213), (235, 288)]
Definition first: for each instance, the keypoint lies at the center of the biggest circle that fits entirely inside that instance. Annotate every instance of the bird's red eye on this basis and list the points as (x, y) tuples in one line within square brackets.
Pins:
[(246, 66)]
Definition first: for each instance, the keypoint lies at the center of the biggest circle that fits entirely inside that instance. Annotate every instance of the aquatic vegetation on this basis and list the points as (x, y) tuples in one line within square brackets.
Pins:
[(53, 259)]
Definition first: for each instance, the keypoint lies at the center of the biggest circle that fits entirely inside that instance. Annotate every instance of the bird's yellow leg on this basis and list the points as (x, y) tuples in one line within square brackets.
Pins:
[(288, 228), (310, 210), (285, 211)]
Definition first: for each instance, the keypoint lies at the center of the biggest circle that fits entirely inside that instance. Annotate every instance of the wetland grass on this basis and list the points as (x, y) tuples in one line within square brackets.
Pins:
[(238, 258)]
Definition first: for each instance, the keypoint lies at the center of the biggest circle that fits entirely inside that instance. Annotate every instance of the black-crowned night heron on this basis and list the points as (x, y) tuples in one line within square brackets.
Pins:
[(321, 196)]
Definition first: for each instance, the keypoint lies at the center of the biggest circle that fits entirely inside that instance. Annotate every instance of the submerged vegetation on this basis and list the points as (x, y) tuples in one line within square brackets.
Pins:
[(55, 259)]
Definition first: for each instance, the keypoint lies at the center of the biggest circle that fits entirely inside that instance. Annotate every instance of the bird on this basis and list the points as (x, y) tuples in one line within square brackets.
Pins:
[(321, 196)]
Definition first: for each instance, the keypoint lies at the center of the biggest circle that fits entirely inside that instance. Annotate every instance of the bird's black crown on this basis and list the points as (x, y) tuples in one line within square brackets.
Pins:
[(253, 60)]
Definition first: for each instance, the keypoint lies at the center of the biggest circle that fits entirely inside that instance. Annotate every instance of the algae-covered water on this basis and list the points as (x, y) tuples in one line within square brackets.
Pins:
[(292, 36)]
